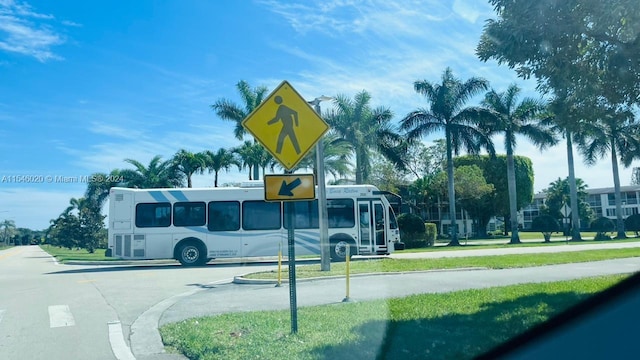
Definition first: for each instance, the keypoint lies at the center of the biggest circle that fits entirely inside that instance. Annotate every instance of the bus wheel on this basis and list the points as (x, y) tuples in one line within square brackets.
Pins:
[(191, 255), (339, 250)]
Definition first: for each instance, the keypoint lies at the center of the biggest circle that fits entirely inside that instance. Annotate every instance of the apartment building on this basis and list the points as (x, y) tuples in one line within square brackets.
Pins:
[(601, 201)]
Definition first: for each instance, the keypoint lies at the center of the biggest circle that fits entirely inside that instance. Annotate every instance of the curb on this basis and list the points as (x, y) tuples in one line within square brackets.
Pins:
[(256, 260), (124, 262), (241, 280)]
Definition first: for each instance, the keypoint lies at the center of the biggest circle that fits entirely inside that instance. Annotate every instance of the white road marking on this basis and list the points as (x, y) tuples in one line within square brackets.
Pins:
[(60, 315), (1, 313), (118, 345)]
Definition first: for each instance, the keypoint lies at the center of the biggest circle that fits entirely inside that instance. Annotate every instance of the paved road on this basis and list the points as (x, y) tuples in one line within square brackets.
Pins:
[(223, 298), (45, 316), (51, 311)]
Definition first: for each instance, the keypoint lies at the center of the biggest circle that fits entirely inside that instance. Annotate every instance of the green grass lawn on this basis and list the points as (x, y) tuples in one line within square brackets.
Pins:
[(493, 262), (527, 238), (457, 325), (64, 254)]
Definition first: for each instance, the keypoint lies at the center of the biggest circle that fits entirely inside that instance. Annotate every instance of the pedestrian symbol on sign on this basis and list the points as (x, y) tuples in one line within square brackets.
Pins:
[(288, 117), (284, 118)]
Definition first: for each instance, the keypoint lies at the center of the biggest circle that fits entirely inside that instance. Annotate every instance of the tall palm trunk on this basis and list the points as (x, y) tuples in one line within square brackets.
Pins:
[(573, 189), (452, 193), (513, 208), (440, 213), (360, 171), (616, 185)]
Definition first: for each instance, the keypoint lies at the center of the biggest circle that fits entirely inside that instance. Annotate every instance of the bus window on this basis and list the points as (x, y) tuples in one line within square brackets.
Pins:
[(153, 215), (189, 214), (306, 215), (393, 224), (224, 216), (340, 213), (261, 215)]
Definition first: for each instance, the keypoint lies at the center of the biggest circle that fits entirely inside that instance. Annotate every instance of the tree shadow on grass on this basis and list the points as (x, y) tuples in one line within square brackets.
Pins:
[(452, 336)]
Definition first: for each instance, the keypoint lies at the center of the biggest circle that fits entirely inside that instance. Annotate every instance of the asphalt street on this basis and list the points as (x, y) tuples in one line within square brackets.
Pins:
[(218, 298)]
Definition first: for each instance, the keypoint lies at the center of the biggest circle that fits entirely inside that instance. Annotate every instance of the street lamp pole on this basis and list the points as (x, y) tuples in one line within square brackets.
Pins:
[(325, 256)]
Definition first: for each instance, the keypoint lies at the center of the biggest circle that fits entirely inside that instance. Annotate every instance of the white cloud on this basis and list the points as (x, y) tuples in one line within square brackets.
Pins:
[(70, 23), (398, 43), (338, 17), (23, 31), (472, 10)]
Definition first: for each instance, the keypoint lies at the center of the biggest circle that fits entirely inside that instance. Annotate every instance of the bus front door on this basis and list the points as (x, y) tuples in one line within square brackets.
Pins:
[(365, 231), (379, 221), (372, 234)]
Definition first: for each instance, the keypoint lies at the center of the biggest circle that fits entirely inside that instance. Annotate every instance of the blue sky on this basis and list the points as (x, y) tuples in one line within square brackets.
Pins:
[(86, 84)]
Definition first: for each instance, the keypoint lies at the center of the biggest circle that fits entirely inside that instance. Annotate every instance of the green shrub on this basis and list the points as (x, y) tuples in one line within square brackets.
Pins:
[(412, 231), (601, 226), (546, 224), (431, 231), (632, 223), (410, 223)]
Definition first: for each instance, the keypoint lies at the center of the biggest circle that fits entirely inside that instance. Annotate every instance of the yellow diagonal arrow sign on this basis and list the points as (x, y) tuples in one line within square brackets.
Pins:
[(290, 187)]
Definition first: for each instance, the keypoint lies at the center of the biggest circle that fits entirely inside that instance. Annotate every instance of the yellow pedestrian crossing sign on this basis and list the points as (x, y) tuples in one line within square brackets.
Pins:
[(286, 125)]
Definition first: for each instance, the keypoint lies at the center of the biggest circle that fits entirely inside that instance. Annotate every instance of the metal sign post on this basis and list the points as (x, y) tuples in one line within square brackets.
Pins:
[(565, 210), (293, 304)]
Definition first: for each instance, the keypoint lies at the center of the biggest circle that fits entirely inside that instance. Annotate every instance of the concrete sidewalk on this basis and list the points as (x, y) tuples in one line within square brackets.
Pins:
[(223, 298), (470, 251)]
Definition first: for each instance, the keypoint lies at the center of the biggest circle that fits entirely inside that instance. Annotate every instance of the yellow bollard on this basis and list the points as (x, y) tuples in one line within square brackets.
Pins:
[(347, 265), (279, 265)]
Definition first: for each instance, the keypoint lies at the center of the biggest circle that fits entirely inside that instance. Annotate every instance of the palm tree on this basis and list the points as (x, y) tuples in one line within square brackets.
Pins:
[(559, 193), (188, 163), (512, 118), (565, 121), (337, 152), (366, 130), (228, 110), (75, 204), (249, 155), (614, 132), (157, 174), (264, 159), (222, 159), (99, 185), (8, 228), (447, 112)]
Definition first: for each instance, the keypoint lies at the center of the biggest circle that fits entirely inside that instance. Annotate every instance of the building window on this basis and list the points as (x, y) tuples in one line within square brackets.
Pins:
[(630, 197)]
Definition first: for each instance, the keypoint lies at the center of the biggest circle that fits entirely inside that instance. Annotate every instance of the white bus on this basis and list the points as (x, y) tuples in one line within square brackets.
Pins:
[(194, 226)]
